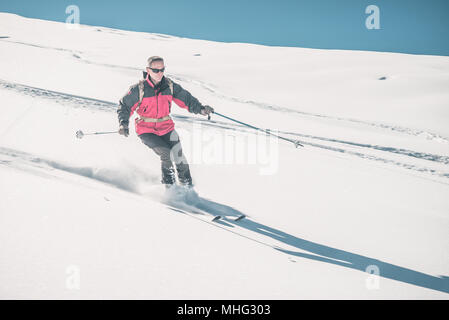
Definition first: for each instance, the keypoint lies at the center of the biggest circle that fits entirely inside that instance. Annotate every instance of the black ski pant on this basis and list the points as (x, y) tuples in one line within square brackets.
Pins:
[(168, 148)]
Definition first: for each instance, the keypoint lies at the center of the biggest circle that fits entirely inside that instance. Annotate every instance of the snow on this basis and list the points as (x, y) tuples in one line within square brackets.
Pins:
[(86, 218)]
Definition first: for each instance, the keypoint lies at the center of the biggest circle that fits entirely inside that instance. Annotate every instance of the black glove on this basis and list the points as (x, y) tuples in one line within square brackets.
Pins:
[(123, 130), (206, 110)]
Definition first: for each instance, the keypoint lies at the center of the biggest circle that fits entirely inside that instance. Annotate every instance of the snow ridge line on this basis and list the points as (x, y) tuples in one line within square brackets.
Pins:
[(66, 99)]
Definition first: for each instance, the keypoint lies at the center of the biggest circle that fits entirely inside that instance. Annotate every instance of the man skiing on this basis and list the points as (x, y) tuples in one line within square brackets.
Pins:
[(151, 99)]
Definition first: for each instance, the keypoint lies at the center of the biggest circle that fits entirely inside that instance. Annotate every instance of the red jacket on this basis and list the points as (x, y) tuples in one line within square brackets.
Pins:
[(156, 103)]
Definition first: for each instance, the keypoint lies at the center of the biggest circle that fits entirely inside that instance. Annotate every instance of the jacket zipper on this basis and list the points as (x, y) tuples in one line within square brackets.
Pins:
[(157, 104)]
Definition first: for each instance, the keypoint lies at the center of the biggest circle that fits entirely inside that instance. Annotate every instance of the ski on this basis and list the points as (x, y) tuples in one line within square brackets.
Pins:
[(240, 217), (187, 199)]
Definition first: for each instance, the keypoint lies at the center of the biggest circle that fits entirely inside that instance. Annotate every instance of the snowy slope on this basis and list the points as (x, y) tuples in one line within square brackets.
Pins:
[(369, 190)]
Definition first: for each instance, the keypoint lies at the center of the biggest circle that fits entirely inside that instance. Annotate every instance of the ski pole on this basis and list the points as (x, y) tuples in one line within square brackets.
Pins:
[(80, 134), (295, 142)]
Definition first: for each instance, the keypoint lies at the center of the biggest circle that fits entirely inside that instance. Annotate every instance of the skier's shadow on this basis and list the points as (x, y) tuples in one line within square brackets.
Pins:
[(319, 252)]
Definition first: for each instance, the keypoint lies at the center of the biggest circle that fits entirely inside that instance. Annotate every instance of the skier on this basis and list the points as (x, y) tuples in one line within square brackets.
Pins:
[(151, 99)]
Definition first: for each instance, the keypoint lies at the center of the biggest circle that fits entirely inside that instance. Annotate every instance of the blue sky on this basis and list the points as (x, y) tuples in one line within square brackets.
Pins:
[(410, 26)]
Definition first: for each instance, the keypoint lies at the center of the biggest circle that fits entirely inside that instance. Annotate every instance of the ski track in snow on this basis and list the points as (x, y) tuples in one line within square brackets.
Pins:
[(334, 145), (402, 152)]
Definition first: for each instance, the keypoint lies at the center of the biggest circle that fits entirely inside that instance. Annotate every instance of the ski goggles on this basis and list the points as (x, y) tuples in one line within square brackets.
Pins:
[(157, 70)]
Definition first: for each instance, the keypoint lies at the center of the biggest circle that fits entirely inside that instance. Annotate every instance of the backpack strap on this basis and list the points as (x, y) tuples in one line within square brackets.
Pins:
[(141, 85), (170, 85)]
